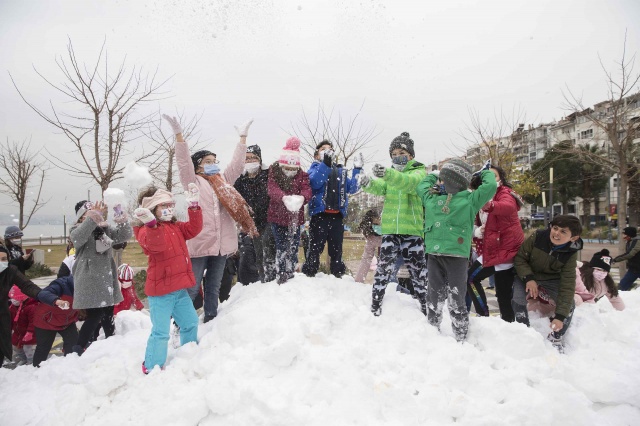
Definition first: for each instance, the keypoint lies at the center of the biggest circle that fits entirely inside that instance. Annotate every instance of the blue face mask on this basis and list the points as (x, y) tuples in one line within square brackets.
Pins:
[(211, 169), (400, 160), (377, 229)]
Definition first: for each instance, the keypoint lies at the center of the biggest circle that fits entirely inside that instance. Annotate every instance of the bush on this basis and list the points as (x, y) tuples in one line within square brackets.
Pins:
[(139, 279), (38, 270)]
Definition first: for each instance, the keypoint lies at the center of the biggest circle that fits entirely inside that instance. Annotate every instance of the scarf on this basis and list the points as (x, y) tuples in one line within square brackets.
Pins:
[(231, 200)]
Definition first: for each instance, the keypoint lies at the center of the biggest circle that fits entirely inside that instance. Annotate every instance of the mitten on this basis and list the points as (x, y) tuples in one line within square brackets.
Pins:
[(363, 179), (192, 195), (379, 170), (358, 162), (173, 122), (243, 130), (145, 216)]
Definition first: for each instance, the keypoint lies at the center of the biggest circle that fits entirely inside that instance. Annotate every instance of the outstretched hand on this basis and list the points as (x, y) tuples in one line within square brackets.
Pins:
[(379, 170), (192, 195), (358, 162), (243, 129), (173, 122)]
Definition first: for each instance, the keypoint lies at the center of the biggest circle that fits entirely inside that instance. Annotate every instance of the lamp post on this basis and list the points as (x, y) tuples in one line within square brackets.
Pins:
[(551, 191)]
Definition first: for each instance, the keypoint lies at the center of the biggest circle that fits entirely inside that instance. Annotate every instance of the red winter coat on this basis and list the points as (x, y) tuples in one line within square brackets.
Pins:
[(23, 332), (169, 262), (503, 234), (130, 299), (53, 318), (278, 212)]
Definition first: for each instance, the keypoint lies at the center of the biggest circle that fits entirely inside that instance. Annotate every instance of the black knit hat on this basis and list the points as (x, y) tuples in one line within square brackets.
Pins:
[(255, 150), (601, 260), (403, 142), (198, 156), (630, 231)]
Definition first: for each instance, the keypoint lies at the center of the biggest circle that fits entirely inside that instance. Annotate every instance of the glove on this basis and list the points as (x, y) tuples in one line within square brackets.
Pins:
[(145, 216), (487, 165), (243, 130), (379, 170), (328, 158), (192, 195), (363, 179), (358, 162), (95, 215), (119, 216), (27, 336), (173, 122)]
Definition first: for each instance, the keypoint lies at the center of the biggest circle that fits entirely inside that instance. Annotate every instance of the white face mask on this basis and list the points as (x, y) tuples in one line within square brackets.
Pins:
[(16, 241), (125, 284), (4, 265), (290, 173), (251, 167), (599, 275), (167, 214), (15, 302)]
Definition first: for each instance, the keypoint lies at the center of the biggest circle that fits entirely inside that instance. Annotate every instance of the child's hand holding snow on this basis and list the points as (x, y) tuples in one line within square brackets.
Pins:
[(119, 216), (62, 304), (192, 195), (145, 216), (293, 202)]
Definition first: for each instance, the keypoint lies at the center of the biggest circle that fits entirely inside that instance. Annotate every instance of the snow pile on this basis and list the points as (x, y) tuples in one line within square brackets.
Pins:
[(311, 353)]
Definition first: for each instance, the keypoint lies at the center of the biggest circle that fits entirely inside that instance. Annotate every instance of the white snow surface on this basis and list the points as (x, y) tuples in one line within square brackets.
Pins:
[(310, 352), (293, 202), (136, 176)]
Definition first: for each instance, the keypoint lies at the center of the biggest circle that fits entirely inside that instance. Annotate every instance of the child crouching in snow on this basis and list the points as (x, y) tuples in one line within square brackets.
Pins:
[(130, 298), (594, 282), (23, 338), (163, 240)]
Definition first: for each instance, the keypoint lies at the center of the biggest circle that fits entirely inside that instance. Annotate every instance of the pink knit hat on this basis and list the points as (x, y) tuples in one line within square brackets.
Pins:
[(290, 155)]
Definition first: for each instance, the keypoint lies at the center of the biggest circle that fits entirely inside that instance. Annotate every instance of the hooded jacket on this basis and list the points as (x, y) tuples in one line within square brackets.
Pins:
[(218, 236), (536, 260), (402, 212), (323, 187), (631, 255)]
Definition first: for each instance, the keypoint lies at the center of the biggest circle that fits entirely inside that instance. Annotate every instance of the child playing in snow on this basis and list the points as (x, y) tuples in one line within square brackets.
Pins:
[(130, 298), (546, 272), (163, 240), (289, 190), (402, 219), (594, 282), (449, 216), (23, 339), (53, 316)]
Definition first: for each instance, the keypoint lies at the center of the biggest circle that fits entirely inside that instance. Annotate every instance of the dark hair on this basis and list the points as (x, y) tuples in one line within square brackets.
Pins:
[(320, 145), (366, 224), (568, 221), (79, 205), (502, 175), (586, 273)]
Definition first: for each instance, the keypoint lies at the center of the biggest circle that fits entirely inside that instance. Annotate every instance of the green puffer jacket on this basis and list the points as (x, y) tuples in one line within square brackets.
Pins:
[(402, 212), (450, 234), (536, 260)]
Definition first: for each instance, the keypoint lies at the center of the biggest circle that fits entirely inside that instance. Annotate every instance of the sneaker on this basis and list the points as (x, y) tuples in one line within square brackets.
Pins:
[(556, 341), (144, 369), (175, 337)]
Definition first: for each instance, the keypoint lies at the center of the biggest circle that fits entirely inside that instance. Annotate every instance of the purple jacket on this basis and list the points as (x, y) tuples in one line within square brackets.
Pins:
[(218, 236), (278, 212)]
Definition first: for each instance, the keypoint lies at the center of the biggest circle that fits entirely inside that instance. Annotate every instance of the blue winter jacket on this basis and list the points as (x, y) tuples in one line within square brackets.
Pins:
[(319, 177), (59, 287)]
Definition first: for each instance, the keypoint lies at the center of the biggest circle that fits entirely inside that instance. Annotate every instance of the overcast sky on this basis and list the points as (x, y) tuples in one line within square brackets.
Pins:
[(418, 65)]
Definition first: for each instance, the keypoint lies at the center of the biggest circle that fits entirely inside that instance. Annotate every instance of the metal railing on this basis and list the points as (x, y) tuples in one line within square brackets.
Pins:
[(40, 241)]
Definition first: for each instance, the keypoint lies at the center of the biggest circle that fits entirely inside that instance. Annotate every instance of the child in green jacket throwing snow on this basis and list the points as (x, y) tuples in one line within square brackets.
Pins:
[(448, 230), (402, 219)]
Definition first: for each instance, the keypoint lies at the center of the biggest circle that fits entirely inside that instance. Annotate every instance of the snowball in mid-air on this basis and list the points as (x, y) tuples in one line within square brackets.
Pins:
[(136, 176)]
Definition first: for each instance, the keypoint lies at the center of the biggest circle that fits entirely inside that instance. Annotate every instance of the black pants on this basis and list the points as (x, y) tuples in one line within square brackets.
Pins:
[(504, 289), (325, 228), (107, 323), (91, 322), (248, 271), (230, 270), (46, 338)]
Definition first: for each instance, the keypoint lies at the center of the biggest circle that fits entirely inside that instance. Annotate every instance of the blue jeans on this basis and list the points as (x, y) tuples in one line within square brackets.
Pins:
[(629, 278), (161, 308), (287, 243), (214, 265)]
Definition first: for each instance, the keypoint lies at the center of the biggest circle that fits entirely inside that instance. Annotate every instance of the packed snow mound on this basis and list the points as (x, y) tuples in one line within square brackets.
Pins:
[(310, 352)]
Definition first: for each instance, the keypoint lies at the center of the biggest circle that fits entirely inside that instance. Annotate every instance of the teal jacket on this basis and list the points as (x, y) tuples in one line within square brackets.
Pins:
[(450, 233), (402, 212)]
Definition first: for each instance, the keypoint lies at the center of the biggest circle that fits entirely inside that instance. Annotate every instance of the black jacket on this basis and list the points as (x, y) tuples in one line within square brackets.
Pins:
[(254, 191), (631, 255)]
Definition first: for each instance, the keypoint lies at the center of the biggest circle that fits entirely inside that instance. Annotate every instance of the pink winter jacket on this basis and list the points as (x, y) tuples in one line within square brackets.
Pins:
[(218, 236), (600, 289)]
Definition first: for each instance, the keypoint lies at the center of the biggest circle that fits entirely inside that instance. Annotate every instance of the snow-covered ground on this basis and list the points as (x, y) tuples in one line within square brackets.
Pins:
[(311, 353)]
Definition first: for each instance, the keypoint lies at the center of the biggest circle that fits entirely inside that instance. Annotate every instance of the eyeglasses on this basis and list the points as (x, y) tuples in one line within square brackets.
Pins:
[(209, 161), (167, 205)]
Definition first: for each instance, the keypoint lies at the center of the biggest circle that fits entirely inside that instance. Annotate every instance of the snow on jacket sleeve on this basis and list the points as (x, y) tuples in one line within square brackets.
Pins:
[(193, 227), (352, 184), (235, 168), (582, 294), (318, 175), (485, 191), (404, 181), (81, 233), (425, 185), (185, 165)]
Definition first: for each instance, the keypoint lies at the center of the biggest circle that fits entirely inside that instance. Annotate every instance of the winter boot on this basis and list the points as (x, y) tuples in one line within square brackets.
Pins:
[(556, 341), (78, 349), (208, 318)]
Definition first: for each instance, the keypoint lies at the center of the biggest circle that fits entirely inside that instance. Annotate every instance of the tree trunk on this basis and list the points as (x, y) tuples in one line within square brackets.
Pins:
[(634, 197), (596, 208), (622, 212), (586, 214)]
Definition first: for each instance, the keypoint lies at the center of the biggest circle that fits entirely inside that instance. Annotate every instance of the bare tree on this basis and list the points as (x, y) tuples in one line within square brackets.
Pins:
[(102, 112), (160, 158), (348, 136), (498, 138), (616, 123), (19, 169)]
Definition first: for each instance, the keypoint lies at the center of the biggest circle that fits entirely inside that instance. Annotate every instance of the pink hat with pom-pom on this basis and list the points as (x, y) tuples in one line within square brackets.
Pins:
[(290, 155)]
